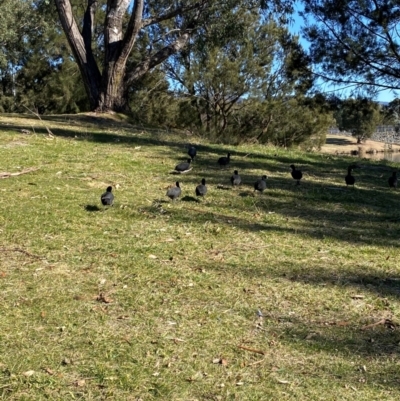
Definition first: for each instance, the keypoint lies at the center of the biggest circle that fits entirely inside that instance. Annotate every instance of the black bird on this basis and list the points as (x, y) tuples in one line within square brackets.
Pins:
[(183, 167), (296, 174), (201, 189), (235, 179), (393, 180), (107, 199), (174, 192), (224, 161), (350, 180), (261, 185), (192, 152)]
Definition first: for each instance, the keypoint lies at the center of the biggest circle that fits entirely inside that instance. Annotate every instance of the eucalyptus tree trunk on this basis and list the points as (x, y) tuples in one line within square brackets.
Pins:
[(107, 85)]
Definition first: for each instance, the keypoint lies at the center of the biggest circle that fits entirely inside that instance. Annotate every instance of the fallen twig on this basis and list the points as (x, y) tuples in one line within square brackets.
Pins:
[(257, 351), (6, 174), (386, 322), (176, 340), (256, 362), (368, 326), (22, 251), (247, 247)]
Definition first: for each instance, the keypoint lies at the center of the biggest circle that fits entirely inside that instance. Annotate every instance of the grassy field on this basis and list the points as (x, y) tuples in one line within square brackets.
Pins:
[(157, 300)]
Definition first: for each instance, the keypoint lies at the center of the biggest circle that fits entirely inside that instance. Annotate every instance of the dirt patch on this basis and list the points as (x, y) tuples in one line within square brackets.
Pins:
[(341, 144)]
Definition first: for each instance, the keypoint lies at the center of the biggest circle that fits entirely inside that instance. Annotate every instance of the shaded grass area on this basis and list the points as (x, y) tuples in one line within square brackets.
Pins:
[(153, 299)]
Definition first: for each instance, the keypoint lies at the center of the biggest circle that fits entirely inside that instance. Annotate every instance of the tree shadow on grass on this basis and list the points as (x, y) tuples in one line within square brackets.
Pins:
[(328, 330), (171, 148), (322, 175), (140, 136), (359, 215), (350, 340), (335, 333), (354, 226), (343, 218), (374, 282), (339, 342), (366, 215), (205, 164)]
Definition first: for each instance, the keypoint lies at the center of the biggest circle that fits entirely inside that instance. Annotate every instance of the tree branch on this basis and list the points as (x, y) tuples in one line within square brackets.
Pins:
[(157, 58), (180, 10), (355, 83), (389, 39), (134, 26), (83, 56), (113, 28), (88, 27), (371, 63), (6, 174)]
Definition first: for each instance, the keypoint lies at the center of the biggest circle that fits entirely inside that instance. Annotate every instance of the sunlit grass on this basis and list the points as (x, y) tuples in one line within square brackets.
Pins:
[(153, 299)]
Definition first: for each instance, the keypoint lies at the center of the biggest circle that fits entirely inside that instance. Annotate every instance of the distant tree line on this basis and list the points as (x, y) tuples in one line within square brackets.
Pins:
[(229, 70)]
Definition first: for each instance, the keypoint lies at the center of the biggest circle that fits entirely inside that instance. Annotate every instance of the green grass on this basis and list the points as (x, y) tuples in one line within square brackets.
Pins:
[(183, 280)]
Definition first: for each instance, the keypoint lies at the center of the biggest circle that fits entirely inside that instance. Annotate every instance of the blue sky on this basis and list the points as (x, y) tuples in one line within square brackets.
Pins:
[(295, 28)]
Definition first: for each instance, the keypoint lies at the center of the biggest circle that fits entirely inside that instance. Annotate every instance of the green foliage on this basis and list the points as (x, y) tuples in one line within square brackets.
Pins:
[(226, 64), (7, 103), (51, 88), (359, 116), (391, 114), (357, 42), (295, 121), (41, 75), (16, 24), (231, 84), (151, 103)]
